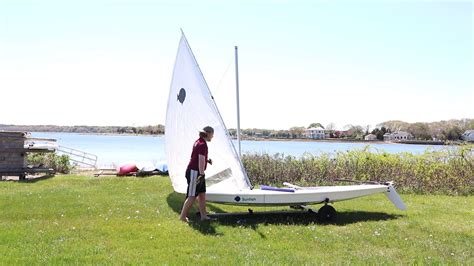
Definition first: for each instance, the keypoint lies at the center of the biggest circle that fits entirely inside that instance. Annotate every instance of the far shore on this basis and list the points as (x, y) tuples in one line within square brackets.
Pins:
[(246, 138), (349, 141), (315, 140), (100, 133)]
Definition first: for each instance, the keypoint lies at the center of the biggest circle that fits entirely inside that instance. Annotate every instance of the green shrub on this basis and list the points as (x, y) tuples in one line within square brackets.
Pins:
[(450, 171), (60, 163)]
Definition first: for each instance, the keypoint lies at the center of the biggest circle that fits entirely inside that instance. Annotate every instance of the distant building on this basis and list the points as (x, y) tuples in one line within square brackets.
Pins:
[(398, 135), (468, 135), (370, 137), (315, 133), (328, 133)]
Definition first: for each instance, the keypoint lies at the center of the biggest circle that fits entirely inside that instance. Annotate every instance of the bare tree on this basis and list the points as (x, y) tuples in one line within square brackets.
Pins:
[(331, 126), (297, 132)]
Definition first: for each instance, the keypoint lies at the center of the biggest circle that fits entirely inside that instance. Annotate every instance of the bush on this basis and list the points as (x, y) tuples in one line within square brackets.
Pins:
[(450, 171), (60, 163)]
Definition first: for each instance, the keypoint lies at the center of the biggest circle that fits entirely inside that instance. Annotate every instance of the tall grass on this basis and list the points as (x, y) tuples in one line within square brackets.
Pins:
[(449, 171)]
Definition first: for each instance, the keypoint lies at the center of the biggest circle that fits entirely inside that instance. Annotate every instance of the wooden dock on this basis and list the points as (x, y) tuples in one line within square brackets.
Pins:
[(14, 149)]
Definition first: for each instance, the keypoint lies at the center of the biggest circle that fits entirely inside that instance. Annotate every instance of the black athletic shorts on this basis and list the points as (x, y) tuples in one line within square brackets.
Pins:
[(195, 185)]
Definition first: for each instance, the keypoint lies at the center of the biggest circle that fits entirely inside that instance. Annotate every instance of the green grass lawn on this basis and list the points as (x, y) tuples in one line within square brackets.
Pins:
[(83, 219)]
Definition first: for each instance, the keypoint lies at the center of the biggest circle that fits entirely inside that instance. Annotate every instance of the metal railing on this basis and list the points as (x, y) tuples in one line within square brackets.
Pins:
[(78, 156)]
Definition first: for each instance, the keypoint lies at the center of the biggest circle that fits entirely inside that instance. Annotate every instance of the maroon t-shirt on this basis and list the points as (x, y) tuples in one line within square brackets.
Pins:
[(200, 147)]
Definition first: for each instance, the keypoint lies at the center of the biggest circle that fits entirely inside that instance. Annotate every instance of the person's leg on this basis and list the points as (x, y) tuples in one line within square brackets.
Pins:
[(188, 203), (202, 205), (191, 177)]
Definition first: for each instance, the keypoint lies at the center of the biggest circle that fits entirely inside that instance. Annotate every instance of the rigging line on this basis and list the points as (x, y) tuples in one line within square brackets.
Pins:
[(222, 77)]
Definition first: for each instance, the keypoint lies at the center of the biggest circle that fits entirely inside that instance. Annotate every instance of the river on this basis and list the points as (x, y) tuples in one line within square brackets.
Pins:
[(114, 150)]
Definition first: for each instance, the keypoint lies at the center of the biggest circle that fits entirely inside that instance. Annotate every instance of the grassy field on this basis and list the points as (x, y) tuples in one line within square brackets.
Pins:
[(82, 219)]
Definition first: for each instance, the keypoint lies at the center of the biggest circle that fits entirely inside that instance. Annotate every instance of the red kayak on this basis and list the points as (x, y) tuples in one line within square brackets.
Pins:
[(127, 169)]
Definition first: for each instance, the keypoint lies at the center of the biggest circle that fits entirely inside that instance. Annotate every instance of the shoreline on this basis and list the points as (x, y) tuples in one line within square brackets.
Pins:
[(416, 142), (316, 140), (98, 134)]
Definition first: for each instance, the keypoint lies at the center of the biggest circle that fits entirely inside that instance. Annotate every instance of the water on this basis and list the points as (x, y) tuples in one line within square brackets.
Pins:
[(114, 150)]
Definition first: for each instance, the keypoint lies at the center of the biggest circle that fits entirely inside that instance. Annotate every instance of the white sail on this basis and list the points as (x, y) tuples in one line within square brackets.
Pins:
[(190, 108)]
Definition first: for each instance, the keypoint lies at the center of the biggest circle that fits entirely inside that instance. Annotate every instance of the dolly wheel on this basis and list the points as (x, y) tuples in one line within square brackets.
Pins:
[(22, 177), (326, 213)]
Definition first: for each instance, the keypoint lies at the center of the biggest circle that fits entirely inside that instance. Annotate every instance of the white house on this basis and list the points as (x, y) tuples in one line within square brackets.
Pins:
[(315, 133), (398, 135), (468, 135), (370, 137)]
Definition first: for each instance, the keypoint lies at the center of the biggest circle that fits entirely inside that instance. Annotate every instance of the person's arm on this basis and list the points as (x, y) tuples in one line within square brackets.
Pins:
[(202, 164)]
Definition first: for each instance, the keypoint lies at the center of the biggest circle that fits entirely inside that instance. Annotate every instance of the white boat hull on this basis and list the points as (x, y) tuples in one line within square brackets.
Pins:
[(304, 196)]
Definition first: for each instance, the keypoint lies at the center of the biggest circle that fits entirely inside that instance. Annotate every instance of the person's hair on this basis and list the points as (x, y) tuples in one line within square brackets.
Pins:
[(206, 130)]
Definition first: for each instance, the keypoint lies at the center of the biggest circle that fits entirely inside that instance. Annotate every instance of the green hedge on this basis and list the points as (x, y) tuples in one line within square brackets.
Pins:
[(450, 171), (60, 163)]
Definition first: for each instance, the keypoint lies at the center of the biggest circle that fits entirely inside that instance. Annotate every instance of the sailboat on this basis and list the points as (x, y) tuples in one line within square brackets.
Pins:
[(191, 106)]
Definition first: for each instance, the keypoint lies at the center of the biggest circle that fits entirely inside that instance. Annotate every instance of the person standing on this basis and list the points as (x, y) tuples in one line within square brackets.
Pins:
[(195, 175)]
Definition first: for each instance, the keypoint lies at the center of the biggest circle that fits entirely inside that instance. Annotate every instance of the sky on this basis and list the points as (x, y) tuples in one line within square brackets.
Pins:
[(108, 63)]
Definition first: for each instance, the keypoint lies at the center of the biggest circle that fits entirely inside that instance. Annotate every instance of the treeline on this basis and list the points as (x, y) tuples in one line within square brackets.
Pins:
[(145, 130), (441, 130)]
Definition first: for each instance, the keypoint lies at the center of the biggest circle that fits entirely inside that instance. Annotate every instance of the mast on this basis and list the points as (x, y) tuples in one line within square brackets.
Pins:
[(238, 102)]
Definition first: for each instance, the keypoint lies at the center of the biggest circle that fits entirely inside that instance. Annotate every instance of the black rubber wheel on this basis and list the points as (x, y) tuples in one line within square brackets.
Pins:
[(326, 213)]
